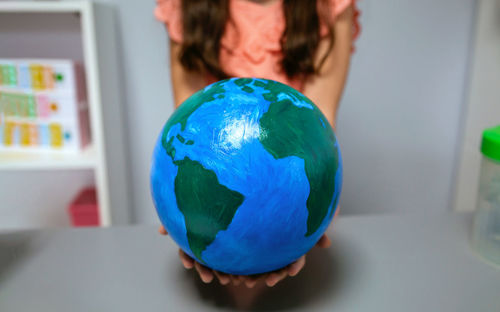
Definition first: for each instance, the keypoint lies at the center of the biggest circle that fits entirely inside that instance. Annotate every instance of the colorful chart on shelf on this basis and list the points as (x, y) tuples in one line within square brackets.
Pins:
[(26, 75), (41, 105)]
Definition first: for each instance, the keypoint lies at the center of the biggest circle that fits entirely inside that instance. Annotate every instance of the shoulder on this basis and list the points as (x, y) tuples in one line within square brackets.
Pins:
[(331, 11), (340, 6), (170, 13)]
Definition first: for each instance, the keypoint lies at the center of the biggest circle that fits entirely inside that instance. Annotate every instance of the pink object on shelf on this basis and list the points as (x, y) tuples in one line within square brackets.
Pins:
[(43, 106), (84, 210)]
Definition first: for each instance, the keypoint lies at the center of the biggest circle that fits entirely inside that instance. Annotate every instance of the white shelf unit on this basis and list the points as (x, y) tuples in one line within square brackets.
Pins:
[(38, 160), (105, 155)]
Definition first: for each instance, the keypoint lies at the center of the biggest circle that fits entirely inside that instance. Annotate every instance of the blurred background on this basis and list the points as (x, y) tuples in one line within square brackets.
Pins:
[(85, 90)]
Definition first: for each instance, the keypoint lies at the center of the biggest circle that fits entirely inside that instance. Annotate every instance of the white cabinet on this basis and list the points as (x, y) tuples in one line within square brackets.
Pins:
[(83, 32)]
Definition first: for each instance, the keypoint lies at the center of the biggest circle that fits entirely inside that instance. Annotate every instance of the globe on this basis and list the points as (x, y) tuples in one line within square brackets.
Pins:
[(246, 175)]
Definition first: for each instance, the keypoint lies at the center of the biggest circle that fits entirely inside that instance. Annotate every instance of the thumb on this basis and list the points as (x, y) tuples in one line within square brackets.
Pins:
[(162, 230), (324, 241)]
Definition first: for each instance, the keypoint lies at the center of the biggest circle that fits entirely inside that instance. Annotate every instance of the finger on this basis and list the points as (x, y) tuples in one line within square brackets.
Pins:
[(250, 281), (235, 279), (205, 274), (324, 241), (223, 278), (186, 260), (296, 267), (162, 230), (276, 277)]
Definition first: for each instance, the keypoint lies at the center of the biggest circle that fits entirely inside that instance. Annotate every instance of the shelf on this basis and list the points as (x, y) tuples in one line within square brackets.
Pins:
[(42, 6), (48, 160), (16, 89), (82, 31)]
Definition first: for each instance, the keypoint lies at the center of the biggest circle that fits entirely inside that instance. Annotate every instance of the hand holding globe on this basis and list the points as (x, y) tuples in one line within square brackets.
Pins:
[(246, 177), (270, 279)]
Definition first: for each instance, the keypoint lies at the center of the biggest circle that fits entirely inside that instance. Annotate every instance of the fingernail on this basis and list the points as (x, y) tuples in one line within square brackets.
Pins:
[(251, 284), (206, 280)]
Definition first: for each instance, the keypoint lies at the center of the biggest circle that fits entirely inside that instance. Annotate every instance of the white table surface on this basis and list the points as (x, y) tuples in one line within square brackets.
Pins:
[(376, 263)]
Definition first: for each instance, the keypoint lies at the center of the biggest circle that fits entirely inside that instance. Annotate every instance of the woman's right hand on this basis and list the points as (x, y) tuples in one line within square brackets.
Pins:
[(207, 275)]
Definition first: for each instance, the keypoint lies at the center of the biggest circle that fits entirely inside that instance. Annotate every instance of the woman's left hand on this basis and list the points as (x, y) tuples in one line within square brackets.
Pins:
[(207, 275)]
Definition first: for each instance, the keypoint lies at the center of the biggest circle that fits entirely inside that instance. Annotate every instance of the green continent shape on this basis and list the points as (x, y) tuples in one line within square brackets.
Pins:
[(208, 206), (289, 130)]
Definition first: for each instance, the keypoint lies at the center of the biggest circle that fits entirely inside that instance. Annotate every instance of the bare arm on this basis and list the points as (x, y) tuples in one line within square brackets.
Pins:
[(185, 83), (325, 89)]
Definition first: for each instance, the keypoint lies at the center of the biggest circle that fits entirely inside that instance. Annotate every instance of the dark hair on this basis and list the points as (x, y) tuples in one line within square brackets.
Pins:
[(204, 22)]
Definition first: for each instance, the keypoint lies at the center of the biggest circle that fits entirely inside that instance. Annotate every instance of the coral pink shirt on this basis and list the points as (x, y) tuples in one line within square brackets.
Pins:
[(250, 46)]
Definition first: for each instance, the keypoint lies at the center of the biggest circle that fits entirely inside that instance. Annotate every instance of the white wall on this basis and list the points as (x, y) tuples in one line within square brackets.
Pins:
[(142, 46), (483, 102), (399, 119)]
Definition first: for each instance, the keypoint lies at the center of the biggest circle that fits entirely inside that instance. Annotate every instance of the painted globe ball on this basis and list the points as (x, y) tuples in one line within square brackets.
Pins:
[(246, 175)]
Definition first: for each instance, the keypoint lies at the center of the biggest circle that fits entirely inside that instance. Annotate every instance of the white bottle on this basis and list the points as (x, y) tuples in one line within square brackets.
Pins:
[(486, 230)]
